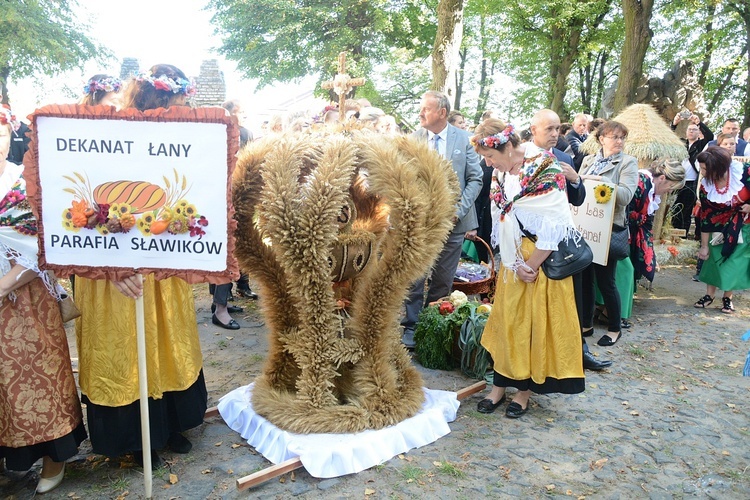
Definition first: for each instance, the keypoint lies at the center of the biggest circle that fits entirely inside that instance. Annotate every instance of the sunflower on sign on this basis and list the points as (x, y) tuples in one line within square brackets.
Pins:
[(603, 193)]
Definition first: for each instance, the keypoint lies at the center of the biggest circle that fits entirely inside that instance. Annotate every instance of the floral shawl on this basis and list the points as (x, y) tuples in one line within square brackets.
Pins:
[(720, 212), (640, 219), (537, 198), (18, 230)]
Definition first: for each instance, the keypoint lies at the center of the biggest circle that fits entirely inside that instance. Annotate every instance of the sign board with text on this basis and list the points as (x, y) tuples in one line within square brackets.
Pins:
[(594, 217), (145, 192)]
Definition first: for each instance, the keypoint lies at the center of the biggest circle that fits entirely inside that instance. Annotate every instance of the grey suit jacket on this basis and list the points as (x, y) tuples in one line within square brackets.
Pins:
[(465, 161)]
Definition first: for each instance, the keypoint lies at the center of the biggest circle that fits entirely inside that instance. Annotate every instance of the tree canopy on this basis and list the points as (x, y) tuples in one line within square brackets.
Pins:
[(517, 55), (41, 37)]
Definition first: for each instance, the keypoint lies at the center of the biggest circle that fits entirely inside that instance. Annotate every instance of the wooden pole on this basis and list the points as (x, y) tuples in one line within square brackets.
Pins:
[(269, 473), (140, 321)]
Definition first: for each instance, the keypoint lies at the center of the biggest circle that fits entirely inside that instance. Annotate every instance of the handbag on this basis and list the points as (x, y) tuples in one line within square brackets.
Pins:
[(572, 256), (68, 308), (619, 245)]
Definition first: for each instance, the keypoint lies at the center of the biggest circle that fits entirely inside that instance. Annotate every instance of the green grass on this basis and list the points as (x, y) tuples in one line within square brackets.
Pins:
[(411, 472), (450, 469), (223, 344), (637, 351), (119, 483)]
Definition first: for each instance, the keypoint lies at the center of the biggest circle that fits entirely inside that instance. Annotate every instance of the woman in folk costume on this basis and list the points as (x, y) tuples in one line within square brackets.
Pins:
[(532, 332), (725, 226), (660, 178), (40, 415), (106, 333)]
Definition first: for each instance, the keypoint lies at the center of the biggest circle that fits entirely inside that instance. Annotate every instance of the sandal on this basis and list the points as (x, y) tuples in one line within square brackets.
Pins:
[(728, 306), (606, 340), (704, 302)]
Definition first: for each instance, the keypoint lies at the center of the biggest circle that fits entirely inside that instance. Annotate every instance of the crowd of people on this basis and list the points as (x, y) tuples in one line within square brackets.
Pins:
[(515, 192)]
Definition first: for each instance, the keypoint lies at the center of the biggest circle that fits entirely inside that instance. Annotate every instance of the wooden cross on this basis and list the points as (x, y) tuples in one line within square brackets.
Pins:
[(342, 84)]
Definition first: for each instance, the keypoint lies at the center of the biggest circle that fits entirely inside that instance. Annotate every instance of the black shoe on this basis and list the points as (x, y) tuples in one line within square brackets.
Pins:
[(487, 406), (591, 363), (247, 293), (514, 410), (607, 341), (232, 325), (179, 443), (587, 333), (623, 324), (156, 461), (230, 309)]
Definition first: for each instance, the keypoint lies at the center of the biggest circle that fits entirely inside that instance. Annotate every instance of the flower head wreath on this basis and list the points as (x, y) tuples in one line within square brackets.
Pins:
[(8, 118), (497, 140), (177, 86), (108, 84)]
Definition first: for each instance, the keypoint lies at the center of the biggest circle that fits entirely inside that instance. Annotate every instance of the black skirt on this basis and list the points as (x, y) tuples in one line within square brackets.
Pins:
[(116, 430), (59, 450), (550, 385)]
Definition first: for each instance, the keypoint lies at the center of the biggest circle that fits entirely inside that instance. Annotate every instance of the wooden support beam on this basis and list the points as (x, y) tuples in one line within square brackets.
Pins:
[(269, 473), (212, 412)]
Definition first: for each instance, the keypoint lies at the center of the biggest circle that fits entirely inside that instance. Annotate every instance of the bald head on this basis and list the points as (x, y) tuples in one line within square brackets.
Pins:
[(545, 128)]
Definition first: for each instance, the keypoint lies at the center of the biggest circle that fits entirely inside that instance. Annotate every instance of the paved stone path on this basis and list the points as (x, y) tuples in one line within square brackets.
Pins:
[(669, 420)]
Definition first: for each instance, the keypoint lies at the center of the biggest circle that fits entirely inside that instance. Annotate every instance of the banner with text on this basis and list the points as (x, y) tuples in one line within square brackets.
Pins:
[(144, 195), (594, 217)]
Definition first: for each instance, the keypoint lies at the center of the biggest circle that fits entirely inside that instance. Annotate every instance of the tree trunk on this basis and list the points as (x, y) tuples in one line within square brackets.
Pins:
[(727, 80), (709, 48), (638, 34), (600, 84), (484, 91), (447, 44), (460, 78), (4, 74), (563, 55), (743, 9)]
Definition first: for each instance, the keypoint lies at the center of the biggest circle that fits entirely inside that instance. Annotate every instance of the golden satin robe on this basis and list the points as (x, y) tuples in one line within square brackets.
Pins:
[(106, 334)]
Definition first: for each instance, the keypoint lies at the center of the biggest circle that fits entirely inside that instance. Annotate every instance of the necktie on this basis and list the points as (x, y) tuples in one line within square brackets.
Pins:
[(436, 141)]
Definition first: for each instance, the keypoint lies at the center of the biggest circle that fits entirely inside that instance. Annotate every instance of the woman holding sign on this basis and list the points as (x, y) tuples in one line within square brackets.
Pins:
[(532, 332), (725, 226), (107, 333), (612, 165), (40, 415)]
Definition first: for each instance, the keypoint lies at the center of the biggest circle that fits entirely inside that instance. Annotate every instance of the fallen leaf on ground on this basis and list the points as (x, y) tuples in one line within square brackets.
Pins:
[(124, 494), (625, 403), (437, 464), (599, 463), (282, 479), (218, 444), (206, 471), (369, 491), (235, 446), (293, 476), (173, 479), (550, 487), (229, 338), (725, 453), (465, 456), (545, 467), (731, 405), (634, 413)]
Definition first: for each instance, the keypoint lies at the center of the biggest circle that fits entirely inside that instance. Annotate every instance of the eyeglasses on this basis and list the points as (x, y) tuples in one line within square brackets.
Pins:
[(616, 137)]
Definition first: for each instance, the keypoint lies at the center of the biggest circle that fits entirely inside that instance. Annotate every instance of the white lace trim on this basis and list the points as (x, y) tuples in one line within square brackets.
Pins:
[(735, 185)]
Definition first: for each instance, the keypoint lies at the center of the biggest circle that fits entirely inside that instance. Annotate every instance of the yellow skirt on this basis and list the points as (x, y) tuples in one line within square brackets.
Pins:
[(533, 333), (107, 352)]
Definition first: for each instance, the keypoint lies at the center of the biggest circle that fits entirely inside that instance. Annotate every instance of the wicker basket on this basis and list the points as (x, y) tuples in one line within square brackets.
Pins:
[(486, 285)]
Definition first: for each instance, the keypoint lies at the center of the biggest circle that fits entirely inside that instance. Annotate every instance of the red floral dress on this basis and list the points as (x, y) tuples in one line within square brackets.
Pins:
[(641, 221)]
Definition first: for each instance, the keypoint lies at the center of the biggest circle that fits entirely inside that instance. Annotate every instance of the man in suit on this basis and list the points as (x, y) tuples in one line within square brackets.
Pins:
[(576, 136), (452, 144), (545, 130), (732, 127)]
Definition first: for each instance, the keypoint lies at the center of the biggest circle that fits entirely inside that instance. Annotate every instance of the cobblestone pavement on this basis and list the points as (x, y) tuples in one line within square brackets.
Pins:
[(669, 420)]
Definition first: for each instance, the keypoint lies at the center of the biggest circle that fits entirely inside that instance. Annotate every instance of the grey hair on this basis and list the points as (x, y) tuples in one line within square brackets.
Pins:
[(442, 99)]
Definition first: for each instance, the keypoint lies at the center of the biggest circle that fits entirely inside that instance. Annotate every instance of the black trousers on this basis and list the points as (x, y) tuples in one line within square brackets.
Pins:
[(605, 279), (686, 198), (221, 293)]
